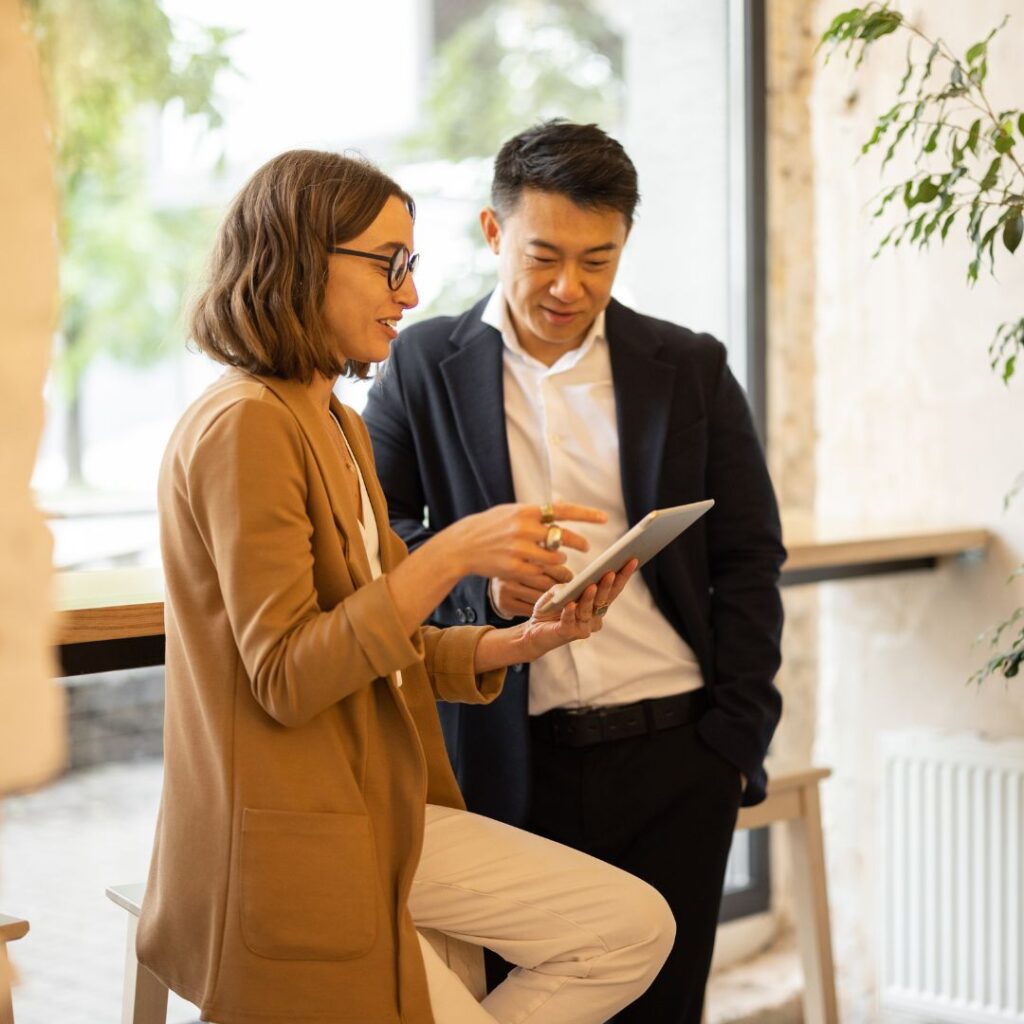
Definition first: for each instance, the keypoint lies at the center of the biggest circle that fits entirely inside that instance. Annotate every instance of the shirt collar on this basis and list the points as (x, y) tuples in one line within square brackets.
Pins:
[(496, 315)]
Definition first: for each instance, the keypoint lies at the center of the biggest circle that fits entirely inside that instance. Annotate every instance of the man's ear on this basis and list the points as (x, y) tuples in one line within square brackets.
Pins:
[(491, 228)]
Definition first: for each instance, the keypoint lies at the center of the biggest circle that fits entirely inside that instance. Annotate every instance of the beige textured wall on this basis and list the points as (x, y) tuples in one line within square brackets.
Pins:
[(791, 357), (911, 426), (791, 280), (791, 365), (30, 734)]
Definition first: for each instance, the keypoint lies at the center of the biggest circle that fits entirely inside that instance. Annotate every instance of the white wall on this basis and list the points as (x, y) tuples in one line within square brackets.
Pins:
[(912, 427)]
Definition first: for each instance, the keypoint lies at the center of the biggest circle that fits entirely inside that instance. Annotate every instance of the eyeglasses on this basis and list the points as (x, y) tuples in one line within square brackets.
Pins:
[(400, 263)]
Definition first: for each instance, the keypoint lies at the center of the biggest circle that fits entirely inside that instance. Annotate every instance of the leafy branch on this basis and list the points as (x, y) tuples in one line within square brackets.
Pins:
[(967, 158), (1006, 662), (967, 167)]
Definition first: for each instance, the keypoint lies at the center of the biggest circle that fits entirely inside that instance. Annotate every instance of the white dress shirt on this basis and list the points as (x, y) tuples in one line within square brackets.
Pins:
[(367, 523), (563, 444)]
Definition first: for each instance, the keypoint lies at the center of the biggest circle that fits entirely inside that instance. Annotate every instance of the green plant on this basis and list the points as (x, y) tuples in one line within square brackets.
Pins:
[(967, 167)]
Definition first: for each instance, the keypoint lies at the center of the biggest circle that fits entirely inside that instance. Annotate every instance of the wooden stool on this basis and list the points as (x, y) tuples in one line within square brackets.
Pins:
[(793, 801), (11, 929), (144, 1000)]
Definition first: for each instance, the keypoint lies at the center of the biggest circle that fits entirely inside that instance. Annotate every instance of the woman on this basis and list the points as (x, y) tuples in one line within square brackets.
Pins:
[(309, 814)]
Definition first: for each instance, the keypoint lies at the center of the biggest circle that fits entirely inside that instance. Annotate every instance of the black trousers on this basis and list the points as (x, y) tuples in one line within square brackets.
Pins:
[(663, 807)]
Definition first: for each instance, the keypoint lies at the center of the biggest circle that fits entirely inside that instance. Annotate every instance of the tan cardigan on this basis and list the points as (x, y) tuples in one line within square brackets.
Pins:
[(296, 769)]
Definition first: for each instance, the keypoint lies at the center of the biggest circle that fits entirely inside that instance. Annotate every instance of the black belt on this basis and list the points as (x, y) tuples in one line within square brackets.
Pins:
[(583, 727)]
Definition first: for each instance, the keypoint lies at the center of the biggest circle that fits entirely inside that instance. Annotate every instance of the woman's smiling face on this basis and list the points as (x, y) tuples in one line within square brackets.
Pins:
[(360, 311)]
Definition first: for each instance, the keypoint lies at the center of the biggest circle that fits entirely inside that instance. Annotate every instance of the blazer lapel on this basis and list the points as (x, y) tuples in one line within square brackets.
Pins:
[(317, 428), (474, 378), (643, 395)]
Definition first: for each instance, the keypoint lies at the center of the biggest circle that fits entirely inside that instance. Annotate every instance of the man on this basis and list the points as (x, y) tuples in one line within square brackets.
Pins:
[(639, 747)]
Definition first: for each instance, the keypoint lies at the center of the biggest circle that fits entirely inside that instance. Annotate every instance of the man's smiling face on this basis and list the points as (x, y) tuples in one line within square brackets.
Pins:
[(556, 263)]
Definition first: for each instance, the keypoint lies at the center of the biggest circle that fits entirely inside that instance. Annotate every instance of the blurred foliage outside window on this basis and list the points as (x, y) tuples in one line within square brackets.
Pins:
[(508, 65), (124, 264), (515, 63), (128, 260)]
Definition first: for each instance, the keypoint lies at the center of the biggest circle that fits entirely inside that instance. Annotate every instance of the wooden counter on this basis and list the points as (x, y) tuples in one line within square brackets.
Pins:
[(109, 604), (822, 552)]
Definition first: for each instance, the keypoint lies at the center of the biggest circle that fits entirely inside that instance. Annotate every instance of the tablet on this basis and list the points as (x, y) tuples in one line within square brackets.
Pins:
[(642, 542)]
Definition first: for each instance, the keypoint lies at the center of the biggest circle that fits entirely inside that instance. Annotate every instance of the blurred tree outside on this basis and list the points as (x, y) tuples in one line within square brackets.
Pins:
[(124, 264), (507, 65)]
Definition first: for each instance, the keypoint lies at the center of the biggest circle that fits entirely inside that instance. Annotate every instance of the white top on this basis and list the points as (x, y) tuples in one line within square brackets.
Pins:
[(563, 444), (367, 522)]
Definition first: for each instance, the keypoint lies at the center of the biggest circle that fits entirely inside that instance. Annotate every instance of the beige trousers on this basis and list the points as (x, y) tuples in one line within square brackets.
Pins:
[(588, 938)]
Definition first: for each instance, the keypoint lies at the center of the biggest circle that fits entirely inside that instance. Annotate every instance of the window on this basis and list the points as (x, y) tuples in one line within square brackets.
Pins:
[(429, 90)]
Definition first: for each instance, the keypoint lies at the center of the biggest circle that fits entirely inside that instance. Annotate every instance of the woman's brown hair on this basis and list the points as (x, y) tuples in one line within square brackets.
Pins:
[(261, 307)]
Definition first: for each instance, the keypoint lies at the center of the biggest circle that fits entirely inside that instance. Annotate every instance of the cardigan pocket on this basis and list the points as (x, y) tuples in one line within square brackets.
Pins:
[(308, 885)]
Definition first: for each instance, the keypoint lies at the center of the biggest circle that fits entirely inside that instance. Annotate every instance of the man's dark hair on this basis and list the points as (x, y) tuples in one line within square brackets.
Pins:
[(578, 161)]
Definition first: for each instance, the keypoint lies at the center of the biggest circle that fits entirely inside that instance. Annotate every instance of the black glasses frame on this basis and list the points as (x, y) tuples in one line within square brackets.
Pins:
[(400, 263)]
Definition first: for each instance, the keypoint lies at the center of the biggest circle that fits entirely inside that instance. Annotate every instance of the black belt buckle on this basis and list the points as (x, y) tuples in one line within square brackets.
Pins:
[(578, 727)]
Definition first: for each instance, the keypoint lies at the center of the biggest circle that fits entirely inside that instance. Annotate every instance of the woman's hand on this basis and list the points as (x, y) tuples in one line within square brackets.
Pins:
[(578, 619), (507, 541), (543, 633)]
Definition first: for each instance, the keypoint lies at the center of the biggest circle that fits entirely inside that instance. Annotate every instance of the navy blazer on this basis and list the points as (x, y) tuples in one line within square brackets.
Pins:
[(436, 419)]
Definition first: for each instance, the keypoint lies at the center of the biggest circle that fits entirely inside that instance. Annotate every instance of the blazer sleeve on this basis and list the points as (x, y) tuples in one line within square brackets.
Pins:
[(400, 471), (449, 655), (247, 489), (745, 556)]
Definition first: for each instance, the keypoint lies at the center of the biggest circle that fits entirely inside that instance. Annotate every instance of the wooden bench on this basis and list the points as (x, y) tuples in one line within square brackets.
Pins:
[(11, 929), (792, 801)]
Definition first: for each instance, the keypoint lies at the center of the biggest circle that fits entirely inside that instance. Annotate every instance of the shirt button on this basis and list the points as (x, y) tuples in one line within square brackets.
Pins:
[(460, 615), (471, 615)]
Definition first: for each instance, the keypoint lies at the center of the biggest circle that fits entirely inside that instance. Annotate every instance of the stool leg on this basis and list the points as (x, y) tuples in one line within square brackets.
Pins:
[(145, 996), (6, 1006), (812, 916)]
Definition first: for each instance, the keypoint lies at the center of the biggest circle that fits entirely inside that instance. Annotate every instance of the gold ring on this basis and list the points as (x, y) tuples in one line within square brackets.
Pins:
[(601, 611), (547, 514), (552, 539)]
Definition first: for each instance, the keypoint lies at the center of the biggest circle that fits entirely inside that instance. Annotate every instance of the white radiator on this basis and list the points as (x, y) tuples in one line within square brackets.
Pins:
[(953, 877)]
